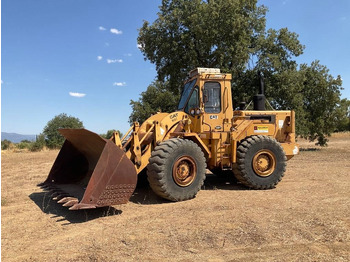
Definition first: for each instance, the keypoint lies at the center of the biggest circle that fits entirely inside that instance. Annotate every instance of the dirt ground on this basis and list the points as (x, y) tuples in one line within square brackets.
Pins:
[(306, 218)]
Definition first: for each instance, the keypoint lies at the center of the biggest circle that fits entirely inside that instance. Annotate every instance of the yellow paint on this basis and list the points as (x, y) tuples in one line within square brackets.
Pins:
[(217, 134)]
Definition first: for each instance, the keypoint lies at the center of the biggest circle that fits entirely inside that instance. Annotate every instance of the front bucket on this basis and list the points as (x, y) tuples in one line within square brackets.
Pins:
[(90, 172)]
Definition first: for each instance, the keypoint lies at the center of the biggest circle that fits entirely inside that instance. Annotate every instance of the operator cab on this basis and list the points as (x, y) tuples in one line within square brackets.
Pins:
[(211, 93), (207, 96)]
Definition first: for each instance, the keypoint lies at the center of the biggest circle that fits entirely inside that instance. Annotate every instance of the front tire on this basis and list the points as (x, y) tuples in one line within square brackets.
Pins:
[(261, 162), (176, 169)]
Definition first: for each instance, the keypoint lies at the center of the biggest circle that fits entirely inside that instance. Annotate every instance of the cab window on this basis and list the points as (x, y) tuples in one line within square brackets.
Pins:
[(185, 94), (193, 102), (212, 97)]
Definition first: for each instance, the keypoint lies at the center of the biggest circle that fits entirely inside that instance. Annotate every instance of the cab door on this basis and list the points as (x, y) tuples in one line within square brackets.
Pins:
[(213, 117)]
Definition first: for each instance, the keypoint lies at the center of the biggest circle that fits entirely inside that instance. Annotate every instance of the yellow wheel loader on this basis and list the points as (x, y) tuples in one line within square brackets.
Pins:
[(177, 148)]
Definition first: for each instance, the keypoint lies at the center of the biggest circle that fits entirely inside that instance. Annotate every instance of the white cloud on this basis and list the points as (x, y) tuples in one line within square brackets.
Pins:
[(139, 46), (76, 94), (102, 28), (119, 84), (99, 58), (116, 31), (128, 54), (112, 61)]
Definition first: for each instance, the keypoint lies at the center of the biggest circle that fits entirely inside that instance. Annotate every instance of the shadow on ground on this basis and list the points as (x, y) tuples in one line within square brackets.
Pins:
[(145, 196), (44, 201), (309, 149)]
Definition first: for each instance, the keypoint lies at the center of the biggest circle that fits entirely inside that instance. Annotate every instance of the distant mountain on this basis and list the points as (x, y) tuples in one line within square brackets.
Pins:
[(16, 138)]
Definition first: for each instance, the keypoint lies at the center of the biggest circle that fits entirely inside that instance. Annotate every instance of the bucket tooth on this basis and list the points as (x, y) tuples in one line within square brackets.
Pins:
[(71, 202), (74, 207), (55, 194), (66, 199), (60, 197), (82, 206), (56, 198)]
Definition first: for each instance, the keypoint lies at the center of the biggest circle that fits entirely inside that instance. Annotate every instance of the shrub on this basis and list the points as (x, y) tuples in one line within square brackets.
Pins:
[(24, 144), (39, 144), (5, 144)]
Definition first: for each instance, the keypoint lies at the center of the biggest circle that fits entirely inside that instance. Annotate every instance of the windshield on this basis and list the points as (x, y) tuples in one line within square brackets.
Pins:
[(185, 94)]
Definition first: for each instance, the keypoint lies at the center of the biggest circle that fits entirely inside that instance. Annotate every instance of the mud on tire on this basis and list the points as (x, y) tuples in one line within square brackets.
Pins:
[(261, 162), (176, 169)]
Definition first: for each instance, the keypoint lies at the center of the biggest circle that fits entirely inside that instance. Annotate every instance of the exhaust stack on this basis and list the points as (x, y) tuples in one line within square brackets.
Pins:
[(259, 99)]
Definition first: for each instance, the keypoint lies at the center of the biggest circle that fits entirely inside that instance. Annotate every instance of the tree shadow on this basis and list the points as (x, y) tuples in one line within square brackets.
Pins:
[(309, 149), (44, 201)]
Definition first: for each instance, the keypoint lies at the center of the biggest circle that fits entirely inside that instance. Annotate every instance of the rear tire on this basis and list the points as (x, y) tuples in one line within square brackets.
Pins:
[(176, 169), (261, 162)]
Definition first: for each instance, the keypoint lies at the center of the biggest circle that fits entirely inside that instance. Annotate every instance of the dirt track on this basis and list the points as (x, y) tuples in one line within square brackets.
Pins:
[(306, 218)]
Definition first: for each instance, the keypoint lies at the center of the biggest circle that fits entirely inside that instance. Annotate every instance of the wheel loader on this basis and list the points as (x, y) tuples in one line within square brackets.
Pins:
[(176, 149)]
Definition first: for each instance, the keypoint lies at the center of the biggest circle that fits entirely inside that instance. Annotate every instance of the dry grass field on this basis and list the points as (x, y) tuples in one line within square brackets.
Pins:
[(306, 218)]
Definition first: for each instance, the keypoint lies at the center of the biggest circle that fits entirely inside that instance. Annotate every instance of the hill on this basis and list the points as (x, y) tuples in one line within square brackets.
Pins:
[(16, 138)]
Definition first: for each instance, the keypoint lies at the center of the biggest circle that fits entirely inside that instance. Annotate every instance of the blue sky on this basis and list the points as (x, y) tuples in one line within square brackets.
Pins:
[(81, 58)]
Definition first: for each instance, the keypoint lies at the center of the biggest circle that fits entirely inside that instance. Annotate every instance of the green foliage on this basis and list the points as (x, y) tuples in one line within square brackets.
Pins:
[(189, 34), (5, 144), (155, 99), (53, 138), (343, 116), (274, 51), (309, 90), (24, 144), (39, 144), (232, 35), (110, 133), (321, 96)]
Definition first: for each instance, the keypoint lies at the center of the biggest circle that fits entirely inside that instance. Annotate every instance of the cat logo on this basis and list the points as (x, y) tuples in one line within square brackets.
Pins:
[(213, 117), (173, 117)]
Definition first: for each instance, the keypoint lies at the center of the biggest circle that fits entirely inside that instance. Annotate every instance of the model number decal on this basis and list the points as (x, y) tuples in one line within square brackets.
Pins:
[(213, 117)]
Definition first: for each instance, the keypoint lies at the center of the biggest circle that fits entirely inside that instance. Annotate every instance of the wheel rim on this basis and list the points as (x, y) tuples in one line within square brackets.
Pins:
[(264, 163), (184, 171)]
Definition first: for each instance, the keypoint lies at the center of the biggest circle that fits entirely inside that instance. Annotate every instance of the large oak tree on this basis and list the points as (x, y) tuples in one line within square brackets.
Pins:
[(232, 35)]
